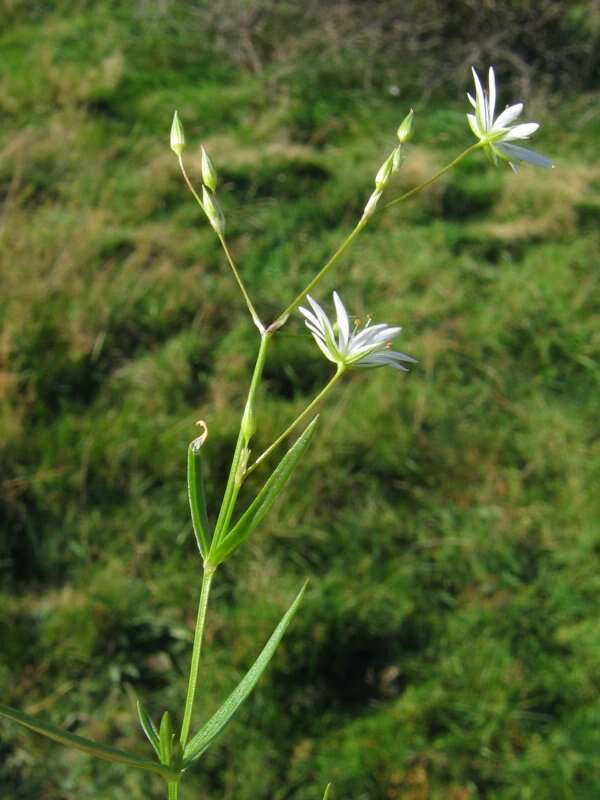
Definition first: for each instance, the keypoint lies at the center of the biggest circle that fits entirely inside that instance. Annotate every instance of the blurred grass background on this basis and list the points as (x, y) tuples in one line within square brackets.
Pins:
[(450, 641)]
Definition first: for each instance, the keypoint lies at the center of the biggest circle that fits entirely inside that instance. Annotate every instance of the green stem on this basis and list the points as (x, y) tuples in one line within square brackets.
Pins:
[(251, 309), (281, 319), (433, 178), (236, 274), (173, 791), (234, 482), (231, 493), (312, 405), (207, 577), (320, 275)]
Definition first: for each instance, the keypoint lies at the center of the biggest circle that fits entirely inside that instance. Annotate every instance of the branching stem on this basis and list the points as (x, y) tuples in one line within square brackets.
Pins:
[(233, 482), (321, 274), (234, 269)]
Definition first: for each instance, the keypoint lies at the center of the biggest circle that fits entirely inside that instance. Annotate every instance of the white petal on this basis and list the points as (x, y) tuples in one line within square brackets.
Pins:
[(398, 356), (367, 337), (315, 331), (380, 360), (475, 126), (324, 321), (326, 351), (513, 151), (343, 322), (472, 100), (521, 131), (318, 311), (310, 317), (509, 115), (492, 97), (386, 336), (480, 105)]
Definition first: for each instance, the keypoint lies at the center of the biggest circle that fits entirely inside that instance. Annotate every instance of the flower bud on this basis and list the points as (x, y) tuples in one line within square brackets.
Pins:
[(242, 467), (212, 209), (371, 204), (396, 159), (177, 135), (385, 170), (248, 421), (405, 131), (209, 173)]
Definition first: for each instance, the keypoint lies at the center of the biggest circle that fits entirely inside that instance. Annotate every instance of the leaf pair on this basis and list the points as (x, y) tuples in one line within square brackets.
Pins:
[(224, 546), (163, 740), (88, 745), (211, 729), (221, 547)]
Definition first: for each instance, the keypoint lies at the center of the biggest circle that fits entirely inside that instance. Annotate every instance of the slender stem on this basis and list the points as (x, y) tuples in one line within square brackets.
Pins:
[(189, 183), (433, 178), (231, 493), (233, 482), (312, 405), (321, 274), (236, 274), (251, 309), (207, 577), (173, 791), (359, 227)]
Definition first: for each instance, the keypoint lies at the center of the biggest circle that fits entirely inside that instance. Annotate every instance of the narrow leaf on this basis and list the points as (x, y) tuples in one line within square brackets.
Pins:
[(196, 494), (263, 501), (205, 736), (327, 791), (149, 728), (87, 745), (165, 739)]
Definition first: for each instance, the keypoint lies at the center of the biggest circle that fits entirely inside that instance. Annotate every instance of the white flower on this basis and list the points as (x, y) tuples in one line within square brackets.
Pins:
[(497, 134), (365, 346)]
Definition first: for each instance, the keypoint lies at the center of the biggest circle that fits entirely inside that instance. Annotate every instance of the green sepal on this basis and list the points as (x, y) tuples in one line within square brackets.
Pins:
[(87, 745), (263, 501), (197, 496), (148, 727), (327, 791), (211, 729)]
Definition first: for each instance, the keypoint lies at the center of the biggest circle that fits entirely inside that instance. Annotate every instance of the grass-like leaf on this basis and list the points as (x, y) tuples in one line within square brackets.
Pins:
[(327, 791), (197, 495), (205, 736), (87, 745), (149, 728), (263, 501)]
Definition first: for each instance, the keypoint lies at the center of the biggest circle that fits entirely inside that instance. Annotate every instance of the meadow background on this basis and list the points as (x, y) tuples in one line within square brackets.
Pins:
[(449, 645)]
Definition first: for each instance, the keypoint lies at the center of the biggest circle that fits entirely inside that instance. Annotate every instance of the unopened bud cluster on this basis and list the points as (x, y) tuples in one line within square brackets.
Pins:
[(390, 165), (210, 204)]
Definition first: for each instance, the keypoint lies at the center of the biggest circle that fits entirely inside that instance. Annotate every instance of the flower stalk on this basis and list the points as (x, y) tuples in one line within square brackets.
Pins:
[(323, 271), (300, 418), (212, 213), (417, 189)]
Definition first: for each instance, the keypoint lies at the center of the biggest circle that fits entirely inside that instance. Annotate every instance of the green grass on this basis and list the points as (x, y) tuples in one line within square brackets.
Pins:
[(449, 519)]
